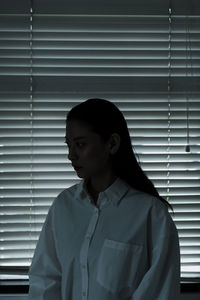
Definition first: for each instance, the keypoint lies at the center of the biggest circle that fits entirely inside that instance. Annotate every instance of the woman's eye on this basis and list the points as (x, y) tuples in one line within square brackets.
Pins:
[(78, 144), (81, 145)]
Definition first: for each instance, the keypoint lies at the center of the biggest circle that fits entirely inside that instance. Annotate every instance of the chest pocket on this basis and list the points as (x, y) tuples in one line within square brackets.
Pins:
[(118, 265)]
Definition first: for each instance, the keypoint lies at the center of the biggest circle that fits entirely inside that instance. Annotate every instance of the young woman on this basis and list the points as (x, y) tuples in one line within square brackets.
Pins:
[(110, 236)]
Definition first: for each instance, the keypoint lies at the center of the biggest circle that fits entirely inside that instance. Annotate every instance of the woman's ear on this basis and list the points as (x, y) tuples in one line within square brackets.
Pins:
[(114, 143)]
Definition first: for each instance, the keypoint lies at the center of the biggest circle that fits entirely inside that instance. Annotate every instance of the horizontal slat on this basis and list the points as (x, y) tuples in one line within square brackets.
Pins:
[(45, 200), (33, 237), (153, 54), (139, 104), (166, 181), (58, 66), (20, 245), (30, 226), (17, 254), (177, 154), (141, 116), (63, 167), (22, 219), (13, 262), (90, 35), (191, 211), (11, 253), (147, 133), (176, 125), (20, 227), (156, 175), (98, 71), (101, 45), (36, 227)]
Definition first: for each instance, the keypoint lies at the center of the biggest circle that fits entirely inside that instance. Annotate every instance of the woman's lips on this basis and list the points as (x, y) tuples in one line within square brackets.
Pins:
[(77, 168)]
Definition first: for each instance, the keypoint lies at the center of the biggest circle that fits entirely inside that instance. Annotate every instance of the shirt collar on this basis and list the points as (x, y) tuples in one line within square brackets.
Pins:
[(113, 193)]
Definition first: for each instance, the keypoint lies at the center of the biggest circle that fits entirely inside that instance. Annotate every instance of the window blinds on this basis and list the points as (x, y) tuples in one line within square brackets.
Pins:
[(54, 57)]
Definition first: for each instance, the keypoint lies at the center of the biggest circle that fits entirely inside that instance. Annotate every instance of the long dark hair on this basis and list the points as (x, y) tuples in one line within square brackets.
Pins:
[(104, 118)]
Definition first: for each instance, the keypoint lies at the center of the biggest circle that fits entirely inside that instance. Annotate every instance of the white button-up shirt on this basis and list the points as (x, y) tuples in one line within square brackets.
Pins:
[(124, 248)]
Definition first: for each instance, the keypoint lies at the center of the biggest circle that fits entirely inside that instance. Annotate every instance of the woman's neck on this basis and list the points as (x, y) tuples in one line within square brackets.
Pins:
[(97, 185)]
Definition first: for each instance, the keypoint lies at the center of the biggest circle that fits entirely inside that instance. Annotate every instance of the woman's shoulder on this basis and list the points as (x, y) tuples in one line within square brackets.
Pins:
[(66, 195), (155, 211), (142, 199), (71, 190), (145, 202)]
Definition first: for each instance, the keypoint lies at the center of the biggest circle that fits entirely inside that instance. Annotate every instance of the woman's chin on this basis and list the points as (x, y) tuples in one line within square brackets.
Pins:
[(79, 172)]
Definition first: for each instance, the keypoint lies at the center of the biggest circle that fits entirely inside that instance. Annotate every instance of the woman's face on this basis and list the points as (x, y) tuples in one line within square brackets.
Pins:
[(87, 150)]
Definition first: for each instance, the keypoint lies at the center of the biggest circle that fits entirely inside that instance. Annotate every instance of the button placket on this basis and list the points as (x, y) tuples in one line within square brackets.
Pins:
[(84, 252)]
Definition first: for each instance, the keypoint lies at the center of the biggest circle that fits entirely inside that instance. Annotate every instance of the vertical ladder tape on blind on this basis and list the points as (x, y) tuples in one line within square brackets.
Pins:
[(169, 104), (31, 131)]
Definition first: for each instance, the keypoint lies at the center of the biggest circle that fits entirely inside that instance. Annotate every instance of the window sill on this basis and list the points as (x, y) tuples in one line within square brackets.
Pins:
[(22, 286)]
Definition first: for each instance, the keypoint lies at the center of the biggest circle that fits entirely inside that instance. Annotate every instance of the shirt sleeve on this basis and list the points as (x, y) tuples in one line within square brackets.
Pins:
[(162, 279), (45, 269)]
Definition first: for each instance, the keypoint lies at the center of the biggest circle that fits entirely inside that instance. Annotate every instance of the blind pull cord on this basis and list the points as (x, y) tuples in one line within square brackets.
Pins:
[(188, 58)]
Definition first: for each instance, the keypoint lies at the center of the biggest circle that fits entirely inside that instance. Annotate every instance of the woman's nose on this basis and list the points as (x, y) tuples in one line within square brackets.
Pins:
[(72, 154)]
